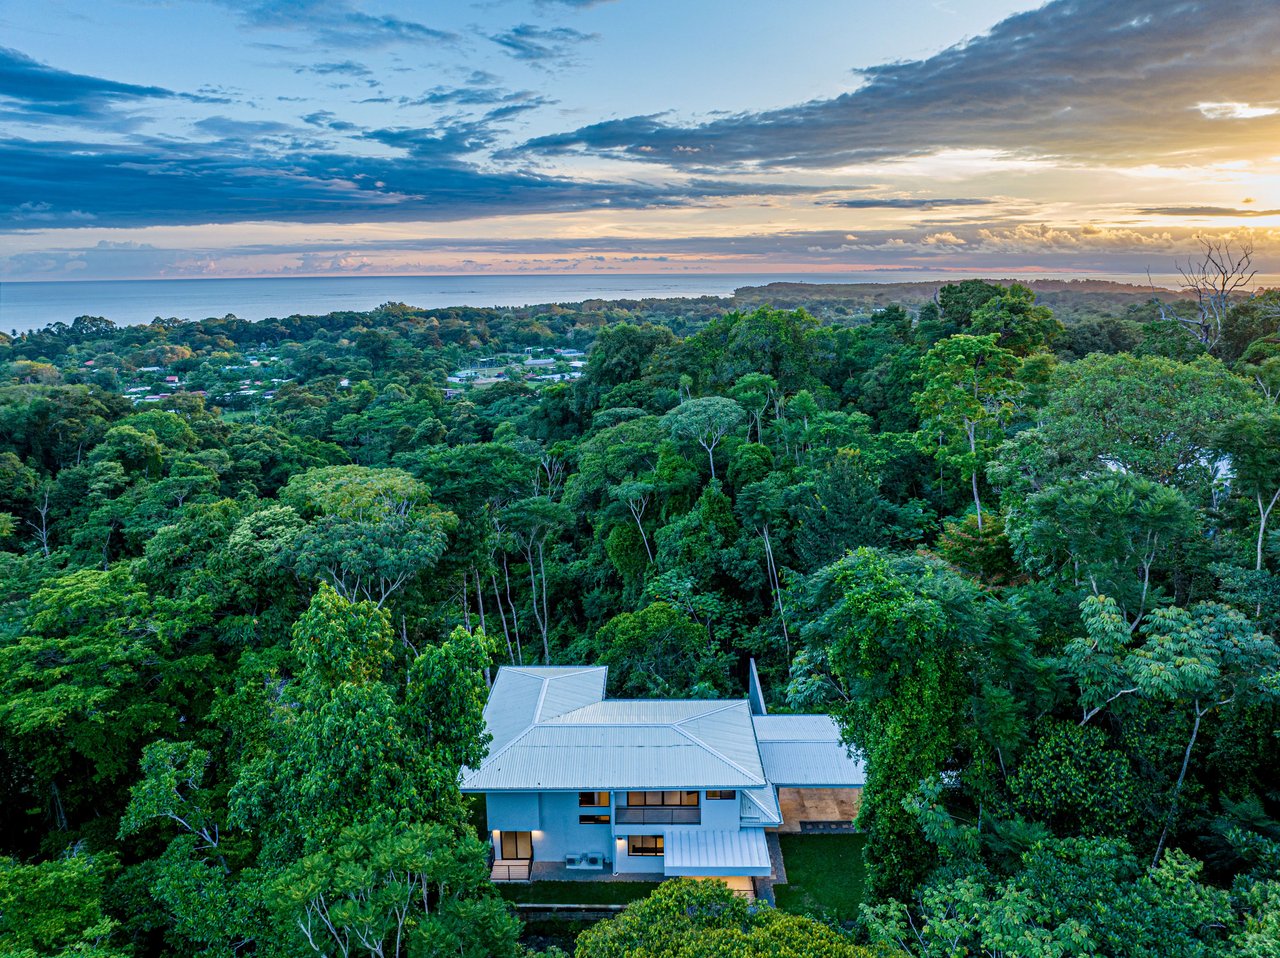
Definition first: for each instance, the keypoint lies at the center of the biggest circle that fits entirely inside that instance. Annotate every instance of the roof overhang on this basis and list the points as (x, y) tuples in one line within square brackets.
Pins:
[(708, 853)]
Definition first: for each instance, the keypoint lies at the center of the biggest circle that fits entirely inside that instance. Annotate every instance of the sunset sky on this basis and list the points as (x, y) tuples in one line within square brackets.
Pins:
[(176, 138)]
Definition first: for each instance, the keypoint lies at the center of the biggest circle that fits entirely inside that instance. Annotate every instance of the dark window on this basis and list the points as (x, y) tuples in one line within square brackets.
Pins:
[(593, 819), (593, 799), (662, 798), (721, 795), (638, 845)]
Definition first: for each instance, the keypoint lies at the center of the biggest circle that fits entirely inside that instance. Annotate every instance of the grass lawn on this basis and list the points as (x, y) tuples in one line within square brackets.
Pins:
[(577, 892), (824, 874)]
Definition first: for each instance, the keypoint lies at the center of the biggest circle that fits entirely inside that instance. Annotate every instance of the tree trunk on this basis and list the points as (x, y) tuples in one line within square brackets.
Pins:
[(776, 588), (1177, 788), (479, 598), (515, 621), (502, 613), (970, 431), (1263, 515), (546, 614)]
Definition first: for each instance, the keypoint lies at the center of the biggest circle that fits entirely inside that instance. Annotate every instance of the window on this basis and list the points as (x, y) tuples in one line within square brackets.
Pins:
[(593, 819), (641, 845), (593, 799), (721, 795), (662, 798)]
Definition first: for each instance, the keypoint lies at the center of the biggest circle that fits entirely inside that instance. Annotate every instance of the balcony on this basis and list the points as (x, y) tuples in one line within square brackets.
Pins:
[(657, 815)]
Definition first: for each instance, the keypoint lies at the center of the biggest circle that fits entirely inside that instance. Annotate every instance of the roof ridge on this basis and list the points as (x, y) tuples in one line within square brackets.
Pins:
[(542, 697), (494, 755), (767, 812), (724, 706), (720, 755)]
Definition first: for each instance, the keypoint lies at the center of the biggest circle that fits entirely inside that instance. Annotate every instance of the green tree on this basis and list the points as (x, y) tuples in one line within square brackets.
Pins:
[(1023, 326), (659, 652), (705, 422), (372, 531), (968, 397), (1116, 534), (1251, 442), (702, 918), (55, 908)]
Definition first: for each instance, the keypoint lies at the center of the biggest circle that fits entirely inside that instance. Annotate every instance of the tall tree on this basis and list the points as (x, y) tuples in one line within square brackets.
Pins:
[(968, 397), (704, 421)]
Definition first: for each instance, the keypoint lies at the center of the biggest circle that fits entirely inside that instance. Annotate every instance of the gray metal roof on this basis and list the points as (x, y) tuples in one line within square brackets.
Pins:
[(693, 851), (806, 751), (552, 730), (759, 806), (523, 696)]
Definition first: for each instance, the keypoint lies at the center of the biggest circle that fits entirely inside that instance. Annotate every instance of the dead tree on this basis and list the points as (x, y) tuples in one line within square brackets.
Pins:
[(1215, 279)]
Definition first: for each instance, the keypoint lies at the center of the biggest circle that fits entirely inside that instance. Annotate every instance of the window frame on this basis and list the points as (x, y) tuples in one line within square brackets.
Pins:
[(653, 846), (594, 800), (671, 798), (722, 794)]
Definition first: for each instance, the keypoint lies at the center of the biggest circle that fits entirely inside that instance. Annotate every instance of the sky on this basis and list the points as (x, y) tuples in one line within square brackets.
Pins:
[(205, 138)]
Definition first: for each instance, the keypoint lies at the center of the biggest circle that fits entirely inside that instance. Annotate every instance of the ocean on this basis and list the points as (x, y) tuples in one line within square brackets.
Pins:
[(25, 306)]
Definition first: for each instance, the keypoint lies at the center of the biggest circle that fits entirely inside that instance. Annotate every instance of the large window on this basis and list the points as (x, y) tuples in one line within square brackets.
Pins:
[(593, 799), (642, 845), (721, 795), (635, 799)]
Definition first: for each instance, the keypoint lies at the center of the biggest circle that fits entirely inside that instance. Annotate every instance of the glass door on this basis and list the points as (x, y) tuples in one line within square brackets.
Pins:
[(515, 845)]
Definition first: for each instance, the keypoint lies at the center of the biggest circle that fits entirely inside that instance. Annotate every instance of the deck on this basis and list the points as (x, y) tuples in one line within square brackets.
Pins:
[(831, 809)]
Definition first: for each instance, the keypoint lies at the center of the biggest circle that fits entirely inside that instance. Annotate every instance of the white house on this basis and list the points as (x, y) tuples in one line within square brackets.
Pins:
[(670, 787)]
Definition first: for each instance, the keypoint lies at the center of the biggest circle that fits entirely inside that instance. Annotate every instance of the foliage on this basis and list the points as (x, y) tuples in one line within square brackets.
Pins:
[(246, 630), (702, 918)]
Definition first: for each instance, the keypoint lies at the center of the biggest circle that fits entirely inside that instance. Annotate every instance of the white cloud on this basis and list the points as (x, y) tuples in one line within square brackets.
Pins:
[(1235, 111)]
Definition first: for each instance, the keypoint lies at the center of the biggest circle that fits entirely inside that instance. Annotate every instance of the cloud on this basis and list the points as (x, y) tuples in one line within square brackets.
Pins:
[(336, 23), (542, 45), (264, 171), (34, 92), (898, 203), (1203, 211), (345, 68), (1085, 80), (1235, 111), (328, 120), (996, 250), (573, 4)]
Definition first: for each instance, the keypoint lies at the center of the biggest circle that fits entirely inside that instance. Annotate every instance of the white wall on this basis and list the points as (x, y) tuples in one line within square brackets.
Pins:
[(641, 863), (560, 834), (717, 815), (512, 811), (720, 815)]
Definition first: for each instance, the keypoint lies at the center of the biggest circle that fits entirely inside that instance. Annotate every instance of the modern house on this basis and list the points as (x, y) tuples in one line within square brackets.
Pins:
[(574, 780)]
